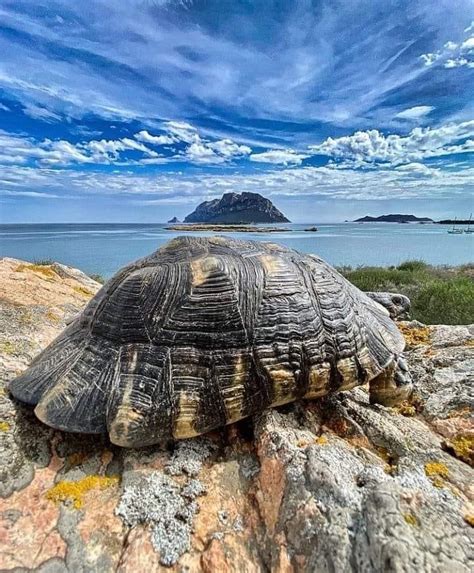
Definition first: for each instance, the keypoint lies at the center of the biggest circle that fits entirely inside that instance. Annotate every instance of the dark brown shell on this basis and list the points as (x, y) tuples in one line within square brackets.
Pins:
[(204, 332)]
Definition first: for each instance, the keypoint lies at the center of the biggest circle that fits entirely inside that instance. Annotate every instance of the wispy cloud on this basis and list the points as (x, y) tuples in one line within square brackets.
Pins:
[(279, 156), (416, 112), (178, 100)]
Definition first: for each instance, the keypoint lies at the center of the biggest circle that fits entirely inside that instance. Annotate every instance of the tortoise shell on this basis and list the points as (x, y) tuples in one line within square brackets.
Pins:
[(204, 332)]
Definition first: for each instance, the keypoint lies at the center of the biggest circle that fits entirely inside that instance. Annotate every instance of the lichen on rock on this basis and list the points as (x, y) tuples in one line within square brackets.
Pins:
[(158, 501), (301, 488)]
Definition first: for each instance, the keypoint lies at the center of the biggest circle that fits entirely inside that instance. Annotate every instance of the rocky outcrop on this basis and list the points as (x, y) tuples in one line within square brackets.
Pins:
[(174, 220), (233, 208), (329, 485)]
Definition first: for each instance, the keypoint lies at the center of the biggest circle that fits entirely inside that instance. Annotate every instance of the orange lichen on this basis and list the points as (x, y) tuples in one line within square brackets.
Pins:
[(74, 491), (463, 447), (44, 270), (4, 426), (469, 518), (415, 336), (411, 519)]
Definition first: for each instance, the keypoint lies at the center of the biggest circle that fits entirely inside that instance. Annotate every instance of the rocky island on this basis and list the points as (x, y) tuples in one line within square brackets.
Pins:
[(237, 209), (174, 220), (394, 218), (335, 484)]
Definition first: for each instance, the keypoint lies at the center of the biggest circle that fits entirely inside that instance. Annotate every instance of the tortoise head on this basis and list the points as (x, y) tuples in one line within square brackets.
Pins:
[(398, 305)]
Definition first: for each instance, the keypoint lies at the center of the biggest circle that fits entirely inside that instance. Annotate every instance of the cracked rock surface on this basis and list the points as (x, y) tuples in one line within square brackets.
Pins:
[(329, 485)]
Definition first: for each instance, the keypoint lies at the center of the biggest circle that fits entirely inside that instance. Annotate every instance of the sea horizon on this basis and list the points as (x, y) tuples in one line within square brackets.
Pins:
[(103, 248)]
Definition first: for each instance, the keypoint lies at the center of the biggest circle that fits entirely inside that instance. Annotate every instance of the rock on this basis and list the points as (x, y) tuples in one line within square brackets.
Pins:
[(233, 208), (329, 485), (174, 220)]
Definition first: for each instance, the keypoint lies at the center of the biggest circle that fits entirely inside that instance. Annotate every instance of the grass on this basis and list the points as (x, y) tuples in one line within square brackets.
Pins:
[(439, 295), (43, 262)]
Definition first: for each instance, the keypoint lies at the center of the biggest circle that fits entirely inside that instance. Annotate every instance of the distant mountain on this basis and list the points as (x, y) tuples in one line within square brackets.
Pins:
[(397, 218), (234, 209), (174, 220)]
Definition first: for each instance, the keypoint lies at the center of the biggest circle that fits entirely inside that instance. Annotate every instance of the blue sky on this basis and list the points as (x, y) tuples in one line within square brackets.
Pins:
[(139, 110)]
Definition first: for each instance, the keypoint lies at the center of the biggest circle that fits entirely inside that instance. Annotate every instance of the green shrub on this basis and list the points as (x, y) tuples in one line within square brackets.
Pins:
[(439, 295), (43, 262), (414, 266), (445, 302)]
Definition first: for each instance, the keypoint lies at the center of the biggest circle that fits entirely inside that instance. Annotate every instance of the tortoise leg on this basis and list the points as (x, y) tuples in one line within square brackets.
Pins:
[(393, 385)]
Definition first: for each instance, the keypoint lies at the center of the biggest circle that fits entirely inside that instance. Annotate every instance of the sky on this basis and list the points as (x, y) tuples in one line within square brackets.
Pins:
[(138, 110)]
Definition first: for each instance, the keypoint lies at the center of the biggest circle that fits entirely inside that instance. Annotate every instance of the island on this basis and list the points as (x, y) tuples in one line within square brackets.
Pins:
[(455, 222), (174, 220), (394, 218), (227, 228), (237, 209)]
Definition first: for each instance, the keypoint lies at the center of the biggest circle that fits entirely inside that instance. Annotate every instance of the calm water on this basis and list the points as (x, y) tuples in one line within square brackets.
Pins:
[(104, 248)]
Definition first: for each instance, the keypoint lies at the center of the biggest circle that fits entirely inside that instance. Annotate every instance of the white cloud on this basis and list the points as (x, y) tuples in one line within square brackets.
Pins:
[(374, 147), (279, 156), (416, 112), (4, 107), (154, 139), (453, 54), (19, 149)]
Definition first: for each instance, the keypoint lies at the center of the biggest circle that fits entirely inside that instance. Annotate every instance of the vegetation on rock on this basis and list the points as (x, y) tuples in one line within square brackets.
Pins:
[(439, 295)]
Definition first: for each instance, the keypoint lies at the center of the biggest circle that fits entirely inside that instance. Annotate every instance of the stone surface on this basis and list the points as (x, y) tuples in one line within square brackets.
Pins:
[(328, 485), (235, 208)]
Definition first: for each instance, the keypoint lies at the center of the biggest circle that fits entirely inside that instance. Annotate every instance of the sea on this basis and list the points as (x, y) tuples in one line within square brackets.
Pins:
[(104, 248)]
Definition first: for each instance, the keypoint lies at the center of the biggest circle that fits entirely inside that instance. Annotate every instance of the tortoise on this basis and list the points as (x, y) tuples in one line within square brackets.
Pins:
[(207, 331)]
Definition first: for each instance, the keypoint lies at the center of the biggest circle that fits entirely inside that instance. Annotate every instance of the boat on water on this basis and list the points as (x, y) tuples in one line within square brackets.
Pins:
[(468, 230), (455, 231)]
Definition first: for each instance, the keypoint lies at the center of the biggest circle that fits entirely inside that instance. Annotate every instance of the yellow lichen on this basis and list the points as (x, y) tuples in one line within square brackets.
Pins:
[(469, 342), (469, 518), (7, 347), (82, 291), (44, 270), (415, 336), (74, 491), (463, 447), (52, 316), (437, 472), (321, 441), (4, 426), (411, 519), (405, 409)]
